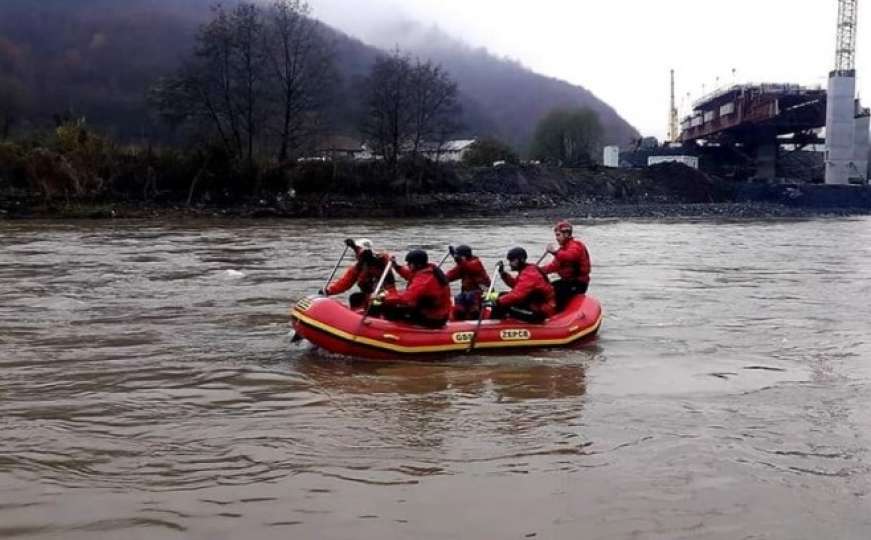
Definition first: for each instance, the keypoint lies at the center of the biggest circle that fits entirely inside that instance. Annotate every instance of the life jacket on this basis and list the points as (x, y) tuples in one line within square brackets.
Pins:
[(571, 262), (472, 273), (369, 272), (428, 292), (365, 273), (532, 290)]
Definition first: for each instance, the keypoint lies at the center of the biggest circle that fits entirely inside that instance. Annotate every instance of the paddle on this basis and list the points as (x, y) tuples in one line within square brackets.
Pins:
[(348, 244), (481, 309), (378, 287), (450, 253), (490, 290)]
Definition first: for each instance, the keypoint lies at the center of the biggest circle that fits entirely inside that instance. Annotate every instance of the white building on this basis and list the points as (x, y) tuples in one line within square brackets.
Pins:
[(450, 151), (611, 157), (689, 161)]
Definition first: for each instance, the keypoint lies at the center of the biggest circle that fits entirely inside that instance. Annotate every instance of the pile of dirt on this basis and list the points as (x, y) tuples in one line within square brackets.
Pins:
[(668, 182)]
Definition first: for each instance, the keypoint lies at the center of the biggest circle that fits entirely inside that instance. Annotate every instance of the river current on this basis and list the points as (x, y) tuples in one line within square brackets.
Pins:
[(149, 389)]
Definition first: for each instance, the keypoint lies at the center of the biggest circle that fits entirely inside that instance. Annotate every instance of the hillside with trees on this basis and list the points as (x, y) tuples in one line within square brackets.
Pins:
[(97, 59), (168, 104)]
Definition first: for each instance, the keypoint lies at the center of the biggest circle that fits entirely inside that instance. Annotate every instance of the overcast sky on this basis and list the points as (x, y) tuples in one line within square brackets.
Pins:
[(622, 50)]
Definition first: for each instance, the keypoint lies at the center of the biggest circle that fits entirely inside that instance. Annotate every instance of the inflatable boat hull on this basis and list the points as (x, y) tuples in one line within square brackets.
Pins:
[(331, 325)]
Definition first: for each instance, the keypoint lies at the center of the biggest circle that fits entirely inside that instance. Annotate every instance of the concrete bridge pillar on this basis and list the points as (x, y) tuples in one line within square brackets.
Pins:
[(766, 159)]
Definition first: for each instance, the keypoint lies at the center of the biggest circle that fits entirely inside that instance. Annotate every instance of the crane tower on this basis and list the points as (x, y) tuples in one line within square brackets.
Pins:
[(673, 133), (847, 124), (845, 54)]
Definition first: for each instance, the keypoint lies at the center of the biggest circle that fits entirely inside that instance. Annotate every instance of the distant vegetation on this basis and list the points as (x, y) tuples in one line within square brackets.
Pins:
[(568, 137), (485, 152), (409, 104), (97, 58), (185, 101), (258, 82)]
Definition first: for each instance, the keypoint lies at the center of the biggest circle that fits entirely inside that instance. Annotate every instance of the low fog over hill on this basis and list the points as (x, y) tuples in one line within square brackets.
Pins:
[(97, 58)]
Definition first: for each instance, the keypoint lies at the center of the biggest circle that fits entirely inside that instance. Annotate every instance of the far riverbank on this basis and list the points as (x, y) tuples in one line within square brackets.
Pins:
[(664, 191)]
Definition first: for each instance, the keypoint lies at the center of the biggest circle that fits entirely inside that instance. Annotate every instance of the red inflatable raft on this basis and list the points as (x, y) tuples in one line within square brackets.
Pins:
[(331, 325)]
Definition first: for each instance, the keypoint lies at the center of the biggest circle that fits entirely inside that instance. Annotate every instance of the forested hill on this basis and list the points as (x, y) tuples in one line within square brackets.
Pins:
[(97, 59)]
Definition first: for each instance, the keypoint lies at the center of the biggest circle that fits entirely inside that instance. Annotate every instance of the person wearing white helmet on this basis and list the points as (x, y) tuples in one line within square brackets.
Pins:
[(365, 273)]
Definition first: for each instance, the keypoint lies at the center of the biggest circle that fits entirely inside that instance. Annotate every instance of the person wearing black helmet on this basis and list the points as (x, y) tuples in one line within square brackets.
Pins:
[(426, 301), (532, 297), (474, 282)]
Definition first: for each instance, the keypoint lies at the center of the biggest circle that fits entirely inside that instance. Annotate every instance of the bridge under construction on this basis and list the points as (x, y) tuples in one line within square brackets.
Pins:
[(761, 120)]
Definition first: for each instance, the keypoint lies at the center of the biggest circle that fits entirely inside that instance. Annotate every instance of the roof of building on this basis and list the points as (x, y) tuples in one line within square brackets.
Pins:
[(457, 145)]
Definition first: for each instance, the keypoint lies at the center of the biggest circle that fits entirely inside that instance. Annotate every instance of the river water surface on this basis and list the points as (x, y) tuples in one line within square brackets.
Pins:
[(149, 389)]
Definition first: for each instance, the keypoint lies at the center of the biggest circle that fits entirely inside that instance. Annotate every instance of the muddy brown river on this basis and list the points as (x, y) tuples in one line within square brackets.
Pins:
[(149, 389)]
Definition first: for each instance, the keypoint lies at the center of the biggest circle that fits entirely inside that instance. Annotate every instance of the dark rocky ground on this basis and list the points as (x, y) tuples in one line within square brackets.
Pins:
[(663, 191)]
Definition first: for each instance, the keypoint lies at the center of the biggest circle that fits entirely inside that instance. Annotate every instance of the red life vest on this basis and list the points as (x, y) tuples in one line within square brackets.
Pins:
[(472, 273), (530, 289), (571, 262), (428, 292), (366, 275)]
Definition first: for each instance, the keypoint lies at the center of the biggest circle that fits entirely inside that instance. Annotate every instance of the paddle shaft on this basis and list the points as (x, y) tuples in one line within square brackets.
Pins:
[(481, 309), (490, 290), (377, 290), (336, 268), (296, 337), (445, 258)]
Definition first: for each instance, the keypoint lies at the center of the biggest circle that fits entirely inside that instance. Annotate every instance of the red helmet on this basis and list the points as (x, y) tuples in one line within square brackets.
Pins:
[(563, 226)]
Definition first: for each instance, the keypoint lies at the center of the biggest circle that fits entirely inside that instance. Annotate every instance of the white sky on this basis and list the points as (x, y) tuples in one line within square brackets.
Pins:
[(622, 50)]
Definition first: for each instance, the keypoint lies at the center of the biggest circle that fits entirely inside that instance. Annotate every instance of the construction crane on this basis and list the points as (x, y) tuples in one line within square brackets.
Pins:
[(845, 53), (673, 132), (847, 124)]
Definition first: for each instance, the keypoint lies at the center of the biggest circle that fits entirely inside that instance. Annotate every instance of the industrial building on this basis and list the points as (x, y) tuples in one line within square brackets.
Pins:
[(763, 129)]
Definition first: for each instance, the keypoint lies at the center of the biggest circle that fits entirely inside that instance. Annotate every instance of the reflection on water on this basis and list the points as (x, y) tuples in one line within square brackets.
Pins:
[(503, 378), (149, 389)]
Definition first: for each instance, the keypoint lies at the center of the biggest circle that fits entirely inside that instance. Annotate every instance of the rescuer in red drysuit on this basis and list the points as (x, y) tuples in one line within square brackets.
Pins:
[(571, 261), (532, 297), (365, 273), (426, 301), (474, 283)]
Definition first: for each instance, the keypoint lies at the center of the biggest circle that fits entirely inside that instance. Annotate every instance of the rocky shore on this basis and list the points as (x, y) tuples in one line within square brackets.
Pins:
[(438, 206), (667, 191)]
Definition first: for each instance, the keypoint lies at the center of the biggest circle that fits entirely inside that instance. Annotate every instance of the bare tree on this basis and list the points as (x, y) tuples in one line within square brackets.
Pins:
[(434, 106), (388, 113), (409, 105), (257, 81), (247, 24), (204, 91), (301, 63)]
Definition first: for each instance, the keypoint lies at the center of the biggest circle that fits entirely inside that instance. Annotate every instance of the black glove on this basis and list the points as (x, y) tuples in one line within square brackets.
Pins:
[(500, 267), (451, 251), (350, 243), (322, 292)]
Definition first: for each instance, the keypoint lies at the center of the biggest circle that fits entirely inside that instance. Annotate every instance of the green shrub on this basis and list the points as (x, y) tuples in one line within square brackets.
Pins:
[(486, 152)]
